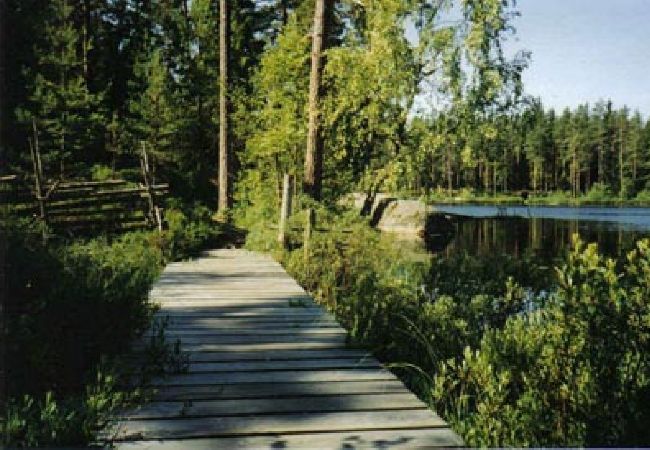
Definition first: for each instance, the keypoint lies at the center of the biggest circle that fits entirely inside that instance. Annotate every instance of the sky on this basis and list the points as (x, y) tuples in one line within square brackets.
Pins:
[(586, 50)]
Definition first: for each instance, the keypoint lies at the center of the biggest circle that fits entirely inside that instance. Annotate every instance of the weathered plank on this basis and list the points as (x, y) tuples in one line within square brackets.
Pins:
[(213, 408), (275, 390), (187, 333), (255, 347), (251, 338), (217, 325), (283, 376), (377, 439), (280, 423), (202, 304), (276, 355), (299, 364)]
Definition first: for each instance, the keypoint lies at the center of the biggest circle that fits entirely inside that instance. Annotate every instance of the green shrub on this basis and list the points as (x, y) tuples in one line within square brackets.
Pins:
[(599, 193), (574, 373), (643, 196), (73, 305), (100, 172)]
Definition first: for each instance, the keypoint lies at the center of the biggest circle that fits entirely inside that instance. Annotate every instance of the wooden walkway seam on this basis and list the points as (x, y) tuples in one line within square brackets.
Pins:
[(268, 368)]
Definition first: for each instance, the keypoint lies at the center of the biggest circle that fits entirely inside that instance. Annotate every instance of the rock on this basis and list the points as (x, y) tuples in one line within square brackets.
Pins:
[(407, 217)]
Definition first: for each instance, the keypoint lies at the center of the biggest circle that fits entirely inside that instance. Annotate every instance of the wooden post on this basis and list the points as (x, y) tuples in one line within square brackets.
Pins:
[(154, 211), (309, 226), (38, 179), (285, 209)]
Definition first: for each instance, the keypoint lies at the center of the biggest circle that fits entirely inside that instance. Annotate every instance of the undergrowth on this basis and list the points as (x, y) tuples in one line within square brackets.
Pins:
[(509, 352), (74, 309)]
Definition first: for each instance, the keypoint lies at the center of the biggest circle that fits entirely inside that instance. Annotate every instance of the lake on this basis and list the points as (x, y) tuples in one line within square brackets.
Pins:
[(544, 231)]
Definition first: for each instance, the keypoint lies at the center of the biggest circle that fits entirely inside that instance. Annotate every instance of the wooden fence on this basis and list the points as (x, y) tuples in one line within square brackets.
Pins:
[(84, 207)]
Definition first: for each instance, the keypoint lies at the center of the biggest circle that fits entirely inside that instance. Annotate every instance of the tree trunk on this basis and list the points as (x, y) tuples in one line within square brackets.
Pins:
[(450, 181), (620, 161), (224, 44), (314, 154), (86, 39), (284, 12), (3, 292)]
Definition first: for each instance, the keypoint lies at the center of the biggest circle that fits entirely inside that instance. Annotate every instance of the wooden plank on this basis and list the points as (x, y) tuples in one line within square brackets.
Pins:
[(214, 279), (300, 364), (275, 390), (281, 423), (277, 355), (213, 408), (224, 289), (381, 439), (184, 333), (280, 376), (238, 301), (272, 293), (264, 356), (255, 347), (331, 339), (215, 323), (108, 211), (259, 313)]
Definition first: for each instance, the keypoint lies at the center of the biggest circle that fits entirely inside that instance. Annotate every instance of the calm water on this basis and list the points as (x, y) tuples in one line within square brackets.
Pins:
[(543, 231)]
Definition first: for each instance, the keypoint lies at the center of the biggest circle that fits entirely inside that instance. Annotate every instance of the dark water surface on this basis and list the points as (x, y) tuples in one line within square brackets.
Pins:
[(544, 231)]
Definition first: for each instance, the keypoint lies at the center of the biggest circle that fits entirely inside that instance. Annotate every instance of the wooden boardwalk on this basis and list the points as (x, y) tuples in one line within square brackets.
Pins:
[(268, 369)]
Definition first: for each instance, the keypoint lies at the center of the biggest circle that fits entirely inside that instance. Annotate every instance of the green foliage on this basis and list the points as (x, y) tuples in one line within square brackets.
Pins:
[(572, 373), (188, 234), (100, 172), (599, 193), (74, 305), (509, 352), (69, 421), (61, 102)]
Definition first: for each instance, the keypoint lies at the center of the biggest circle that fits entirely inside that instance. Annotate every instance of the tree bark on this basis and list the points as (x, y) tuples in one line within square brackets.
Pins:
[(224, 47), (314, 154)]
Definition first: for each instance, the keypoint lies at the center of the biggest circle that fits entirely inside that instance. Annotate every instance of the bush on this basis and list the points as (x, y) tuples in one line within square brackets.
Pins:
[(72, 306), (643, 196), (573, 373), (599, 193)]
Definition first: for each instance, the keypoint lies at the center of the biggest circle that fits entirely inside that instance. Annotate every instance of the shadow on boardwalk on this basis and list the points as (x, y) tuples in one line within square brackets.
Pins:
[(267, 369)]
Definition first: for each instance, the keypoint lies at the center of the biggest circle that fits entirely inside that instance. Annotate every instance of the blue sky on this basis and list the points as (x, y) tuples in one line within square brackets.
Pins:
[(586, 50)]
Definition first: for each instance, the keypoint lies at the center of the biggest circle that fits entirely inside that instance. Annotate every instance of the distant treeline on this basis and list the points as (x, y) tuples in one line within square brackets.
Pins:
[(536, 149)]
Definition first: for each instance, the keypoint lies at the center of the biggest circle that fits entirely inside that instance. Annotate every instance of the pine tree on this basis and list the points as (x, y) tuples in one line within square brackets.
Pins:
[(153, 122), (65, 110)]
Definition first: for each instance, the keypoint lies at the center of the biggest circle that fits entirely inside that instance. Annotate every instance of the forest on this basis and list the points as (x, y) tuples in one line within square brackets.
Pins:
[(414, 97)]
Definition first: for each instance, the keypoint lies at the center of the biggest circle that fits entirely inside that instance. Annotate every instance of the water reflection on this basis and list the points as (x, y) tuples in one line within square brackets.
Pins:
[(626, 218), (543, 237)]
